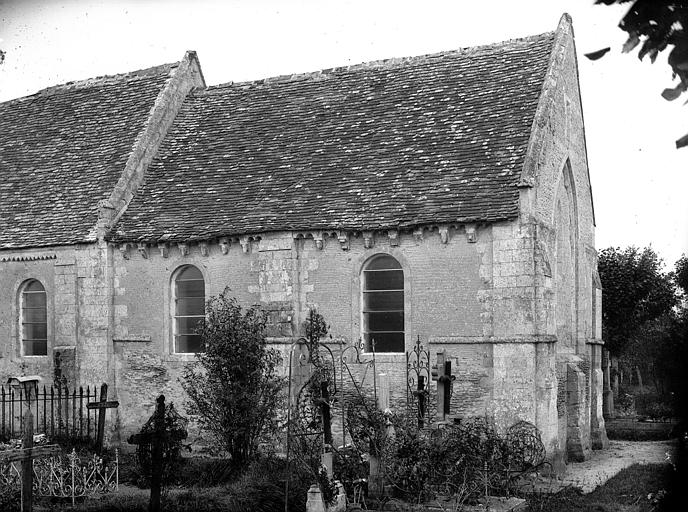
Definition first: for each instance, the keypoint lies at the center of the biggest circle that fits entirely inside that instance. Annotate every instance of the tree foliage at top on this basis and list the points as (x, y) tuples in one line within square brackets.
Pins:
[(654, 26), (681, 274), (234, 386), (635, 291)]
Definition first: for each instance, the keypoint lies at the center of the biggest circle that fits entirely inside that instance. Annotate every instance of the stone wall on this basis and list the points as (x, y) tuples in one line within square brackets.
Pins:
[(287, 274), (53, 268), (556, 200)]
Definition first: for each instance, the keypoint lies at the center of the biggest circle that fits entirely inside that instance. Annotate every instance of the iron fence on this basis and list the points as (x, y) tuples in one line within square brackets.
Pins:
[(57, 412)]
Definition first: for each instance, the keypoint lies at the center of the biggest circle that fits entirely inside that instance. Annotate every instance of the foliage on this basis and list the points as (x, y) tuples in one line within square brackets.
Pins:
[(233, 386), (316, 328), (350, 465), (175, 428), (466, 461), (641, 488), (654, 25), (366, 424), (327, 486), (681, 274), (635, 290)]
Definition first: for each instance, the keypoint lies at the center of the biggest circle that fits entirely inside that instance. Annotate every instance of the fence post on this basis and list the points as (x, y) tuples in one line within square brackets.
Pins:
[(73, 465), (3, 412), (27, 464), (81, 412), (45, 422)]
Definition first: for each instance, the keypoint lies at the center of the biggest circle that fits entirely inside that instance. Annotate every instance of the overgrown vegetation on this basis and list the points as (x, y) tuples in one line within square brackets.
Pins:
[(645, 326), (233, 386), (175, 426), (466, 462), (308, 432), (638, 488)]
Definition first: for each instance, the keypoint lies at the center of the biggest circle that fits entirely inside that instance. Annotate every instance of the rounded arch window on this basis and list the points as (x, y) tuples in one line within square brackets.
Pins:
[(382, 289), (34, 319), (189, 309)]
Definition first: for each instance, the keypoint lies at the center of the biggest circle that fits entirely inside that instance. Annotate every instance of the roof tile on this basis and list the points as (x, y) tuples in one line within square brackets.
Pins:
[(63, 149), (393, 144)]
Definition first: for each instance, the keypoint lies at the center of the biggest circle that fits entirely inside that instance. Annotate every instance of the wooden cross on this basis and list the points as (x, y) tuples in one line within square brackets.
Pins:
[(26, 456), (102, 405)]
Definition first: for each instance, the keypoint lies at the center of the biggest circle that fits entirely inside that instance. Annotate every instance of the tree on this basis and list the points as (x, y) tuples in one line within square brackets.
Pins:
[(635, 291), (681, 274), (233, 386), (657, 24)]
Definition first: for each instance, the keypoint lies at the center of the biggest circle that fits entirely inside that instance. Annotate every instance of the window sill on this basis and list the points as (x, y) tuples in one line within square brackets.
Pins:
[(387, 357), (183, 357)]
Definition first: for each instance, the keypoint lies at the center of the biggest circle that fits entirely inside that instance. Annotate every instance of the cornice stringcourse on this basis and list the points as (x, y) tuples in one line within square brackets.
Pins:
[(28, 257), (222, 245)]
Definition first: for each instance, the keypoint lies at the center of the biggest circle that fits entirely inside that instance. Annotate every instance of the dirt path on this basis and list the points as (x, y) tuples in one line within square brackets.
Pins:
[(604, 464)]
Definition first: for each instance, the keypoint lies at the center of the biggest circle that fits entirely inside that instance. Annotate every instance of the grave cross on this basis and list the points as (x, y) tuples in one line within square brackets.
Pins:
[(157, 438), (442, 373), (26, 456), (101, 406)]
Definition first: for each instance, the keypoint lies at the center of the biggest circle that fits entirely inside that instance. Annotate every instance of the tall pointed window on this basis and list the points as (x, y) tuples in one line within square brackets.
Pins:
[(34, 319), (189, 309), (382, 289)]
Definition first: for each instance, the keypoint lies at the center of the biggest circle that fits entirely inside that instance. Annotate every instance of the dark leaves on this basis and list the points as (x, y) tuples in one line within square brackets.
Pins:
[(670, 94), (658, 24), (632, 41), (597, 54), (682, 142)]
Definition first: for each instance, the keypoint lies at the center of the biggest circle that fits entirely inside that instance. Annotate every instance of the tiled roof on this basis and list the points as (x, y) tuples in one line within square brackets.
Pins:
[(63, 149), (436, 138)]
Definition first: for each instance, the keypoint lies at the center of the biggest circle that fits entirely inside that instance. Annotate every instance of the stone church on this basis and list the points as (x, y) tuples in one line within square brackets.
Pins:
[(443, 196)]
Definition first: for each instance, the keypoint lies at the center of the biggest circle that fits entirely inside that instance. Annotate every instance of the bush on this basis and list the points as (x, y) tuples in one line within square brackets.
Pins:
[(653, 406), (233, 386), (465, 461)]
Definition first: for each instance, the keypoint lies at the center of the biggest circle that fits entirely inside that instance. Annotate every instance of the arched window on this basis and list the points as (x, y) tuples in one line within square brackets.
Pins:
[(189, 309), (382, 288), (33, 317)]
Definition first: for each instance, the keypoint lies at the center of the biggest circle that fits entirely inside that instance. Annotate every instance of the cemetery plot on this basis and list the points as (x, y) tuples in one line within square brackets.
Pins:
[(41, 470)]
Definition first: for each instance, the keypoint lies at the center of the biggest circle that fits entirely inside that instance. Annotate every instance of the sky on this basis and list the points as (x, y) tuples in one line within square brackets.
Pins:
[(639, 178)]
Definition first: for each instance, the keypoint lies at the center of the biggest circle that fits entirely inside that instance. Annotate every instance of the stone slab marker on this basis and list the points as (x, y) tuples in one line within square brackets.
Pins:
[(577, 438)]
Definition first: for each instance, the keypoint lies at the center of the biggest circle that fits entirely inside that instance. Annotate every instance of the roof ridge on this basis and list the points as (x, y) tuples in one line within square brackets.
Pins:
[(86, 82), (389, 62)]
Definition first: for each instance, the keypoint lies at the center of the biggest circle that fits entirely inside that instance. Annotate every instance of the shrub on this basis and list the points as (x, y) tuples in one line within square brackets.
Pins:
[(465, 461), (653, 406), (233, 386)]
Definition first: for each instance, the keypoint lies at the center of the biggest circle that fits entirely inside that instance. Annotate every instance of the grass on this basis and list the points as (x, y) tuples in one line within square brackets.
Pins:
[(260, 488), (638, 488)]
